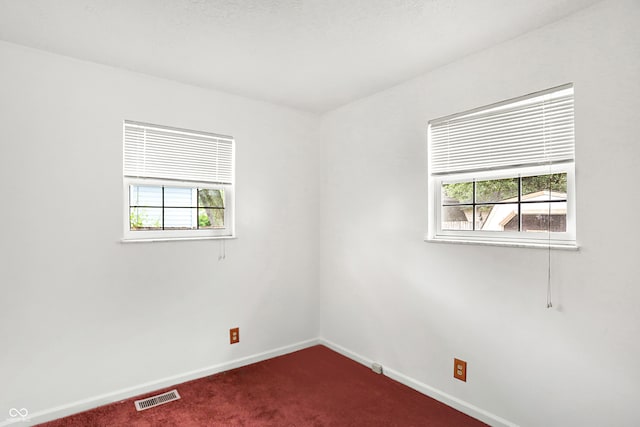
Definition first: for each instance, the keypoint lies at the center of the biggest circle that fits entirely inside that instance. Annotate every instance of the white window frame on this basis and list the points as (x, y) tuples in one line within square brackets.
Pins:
[(197, 234), (508, 238), (226, 232), (435, 233)]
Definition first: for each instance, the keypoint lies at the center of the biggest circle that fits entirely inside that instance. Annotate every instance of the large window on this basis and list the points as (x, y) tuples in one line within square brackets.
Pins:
[(504, 174), (178, 183)]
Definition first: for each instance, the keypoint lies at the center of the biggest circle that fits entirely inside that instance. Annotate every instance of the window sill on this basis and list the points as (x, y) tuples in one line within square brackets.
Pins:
[(173, 239), (534, 245)]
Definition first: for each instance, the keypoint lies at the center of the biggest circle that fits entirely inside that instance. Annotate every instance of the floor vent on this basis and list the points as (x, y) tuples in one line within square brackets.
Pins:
[(160, 399)]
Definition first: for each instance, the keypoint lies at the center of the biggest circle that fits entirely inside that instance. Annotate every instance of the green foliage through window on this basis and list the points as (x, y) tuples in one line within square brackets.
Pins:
[(530, 203), (157, 207), (502, 189)]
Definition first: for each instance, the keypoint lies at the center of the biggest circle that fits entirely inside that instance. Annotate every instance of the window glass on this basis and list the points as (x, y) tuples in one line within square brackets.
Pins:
[(175, 208), (496, 190), (457, 192), (179, 197), (142, 195), (532, 204), (495, 217), (146, 218), (211, 213), (557, 182), (457, 217), (540, 217)]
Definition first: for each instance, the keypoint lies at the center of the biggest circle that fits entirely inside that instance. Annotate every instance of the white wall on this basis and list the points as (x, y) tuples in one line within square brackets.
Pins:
[(414, 306), (84, 314)]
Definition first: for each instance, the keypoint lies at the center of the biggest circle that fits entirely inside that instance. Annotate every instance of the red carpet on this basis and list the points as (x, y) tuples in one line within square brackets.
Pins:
[(311, 387)]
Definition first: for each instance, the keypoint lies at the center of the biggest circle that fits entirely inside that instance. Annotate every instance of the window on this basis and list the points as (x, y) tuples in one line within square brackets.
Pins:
[(178, 184), (504, 174)]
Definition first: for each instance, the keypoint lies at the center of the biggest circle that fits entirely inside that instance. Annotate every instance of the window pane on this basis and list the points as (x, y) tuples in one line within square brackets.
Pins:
[(533, 186), (211, 218), (210, 198), (179, 197), (497, 190), (145, 218), (535, 217), (144, 195), (180, 219), (503, 217), (457, 192), (457, 217)]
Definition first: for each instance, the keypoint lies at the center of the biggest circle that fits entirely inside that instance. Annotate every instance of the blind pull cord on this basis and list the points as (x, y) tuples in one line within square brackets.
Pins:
[(549, 304), (223, 250), (550, 180)]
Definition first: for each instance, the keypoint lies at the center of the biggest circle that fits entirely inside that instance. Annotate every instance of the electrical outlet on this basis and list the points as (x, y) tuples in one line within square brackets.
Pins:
[(234, 335), (460, 369)]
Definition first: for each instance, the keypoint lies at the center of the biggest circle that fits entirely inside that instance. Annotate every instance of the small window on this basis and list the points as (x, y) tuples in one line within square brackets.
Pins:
[(504, 174), (178, 183)]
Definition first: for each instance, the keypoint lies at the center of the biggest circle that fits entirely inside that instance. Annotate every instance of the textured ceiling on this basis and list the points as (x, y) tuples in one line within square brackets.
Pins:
[(313, 55)]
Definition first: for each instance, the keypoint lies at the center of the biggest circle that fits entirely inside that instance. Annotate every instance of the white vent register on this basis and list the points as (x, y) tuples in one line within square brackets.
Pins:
[(154, 401)]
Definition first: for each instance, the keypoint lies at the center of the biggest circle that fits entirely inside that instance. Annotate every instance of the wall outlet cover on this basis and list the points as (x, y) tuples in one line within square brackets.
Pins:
[(234, 335), (460, 369)]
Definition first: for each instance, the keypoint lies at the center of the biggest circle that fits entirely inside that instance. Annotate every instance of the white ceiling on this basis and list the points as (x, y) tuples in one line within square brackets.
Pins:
[(313, 55)]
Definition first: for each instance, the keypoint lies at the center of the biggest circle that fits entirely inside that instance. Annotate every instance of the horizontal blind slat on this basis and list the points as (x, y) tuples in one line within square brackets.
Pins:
[(533, 121), (532, 131), (502, 137), (515, 116), (152, 151), (516, 107)]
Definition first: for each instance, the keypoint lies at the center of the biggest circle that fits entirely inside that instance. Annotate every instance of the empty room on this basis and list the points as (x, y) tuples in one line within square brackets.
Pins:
[(319, 213)]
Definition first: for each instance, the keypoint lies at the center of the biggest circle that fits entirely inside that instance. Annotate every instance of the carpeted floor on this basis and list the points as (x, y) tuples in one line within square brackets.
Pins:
[(311, 387)]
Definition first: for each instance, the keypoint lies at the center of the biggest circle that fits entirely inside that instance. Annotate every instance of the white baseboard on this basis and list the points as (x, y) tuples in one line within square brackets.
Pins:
[(447, 399), (126, 393), (123, 394)]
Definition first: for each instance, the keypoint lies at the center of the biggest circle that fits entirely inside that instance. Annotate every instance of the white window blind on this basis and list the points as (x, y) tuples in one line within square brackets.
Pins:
[(531, 130), (152, 151)]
